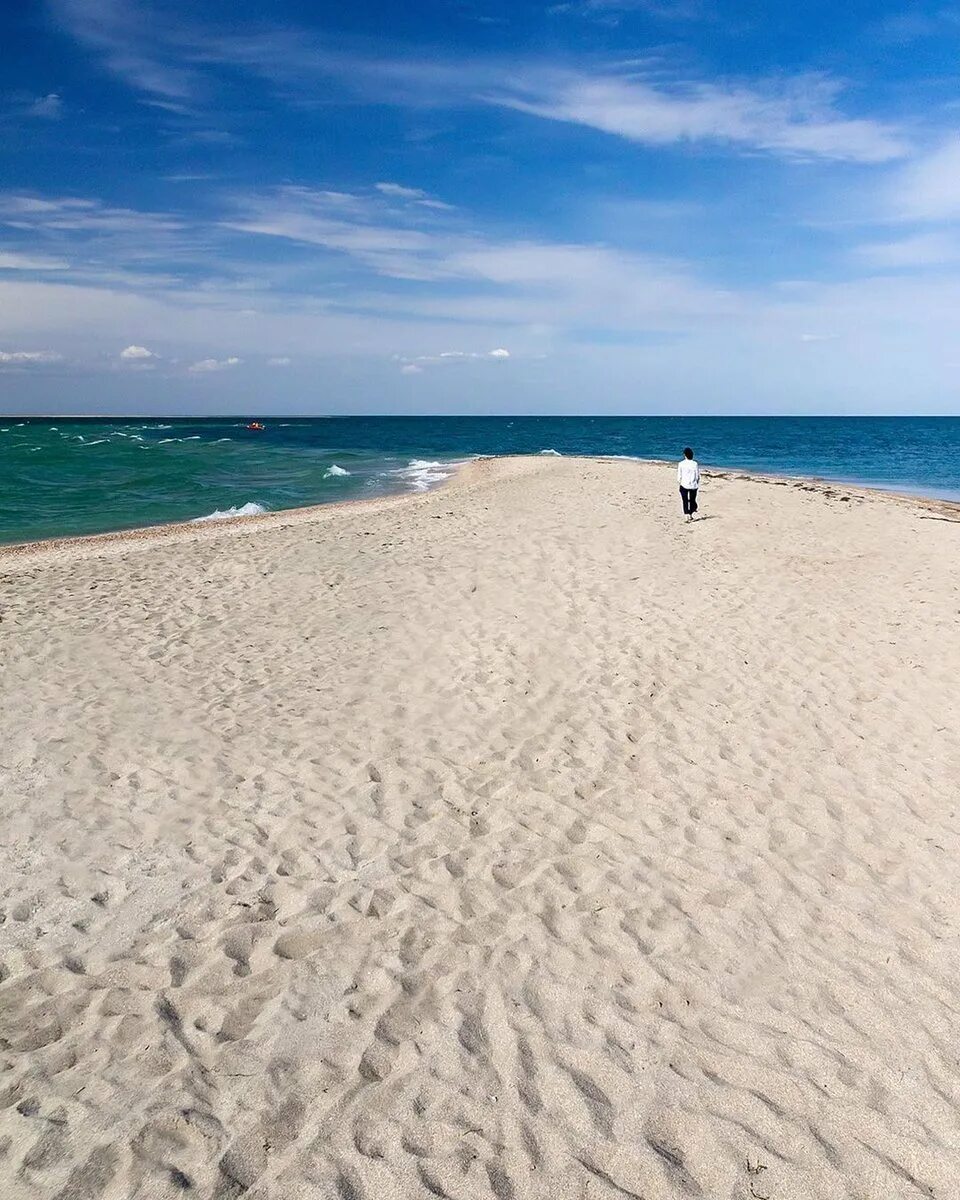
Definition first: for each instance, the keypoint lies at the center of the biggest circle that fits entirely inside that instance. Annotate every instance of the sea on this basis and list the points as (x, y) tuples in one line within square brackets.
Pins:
[(69, 476)]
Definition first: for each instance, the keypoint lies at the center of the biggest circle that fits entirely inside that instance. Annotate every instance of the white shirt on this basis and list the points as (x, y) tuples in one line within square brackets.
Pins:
[(688, 473)]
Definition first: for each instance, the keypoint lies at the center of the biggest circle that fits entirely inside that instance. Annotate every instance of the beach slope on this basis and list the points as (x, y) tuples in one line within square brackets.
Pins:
[(514, 841)]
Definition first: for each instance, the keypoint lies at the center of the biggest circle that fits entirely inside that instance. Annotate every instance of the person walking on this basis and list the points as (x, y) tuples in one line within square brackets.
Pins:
[(688, 476)]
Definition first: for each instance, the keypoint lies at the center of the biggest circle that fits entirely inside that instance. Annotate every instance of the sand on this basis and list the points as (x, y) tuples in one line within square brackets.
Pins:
[(513, 841)]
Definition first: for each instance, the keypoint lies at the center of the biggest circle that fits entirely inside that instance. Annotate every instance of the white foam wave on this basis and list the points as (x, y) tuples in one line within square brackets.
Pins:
[(334, 470), (554, 453), (98, 442), (422, 475), (250, 509)]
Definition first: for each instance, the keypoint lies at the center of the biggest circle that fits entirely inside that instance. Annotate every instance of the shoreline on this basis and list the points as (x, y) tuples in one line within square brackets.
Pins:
[(514, 831), (274, 518)]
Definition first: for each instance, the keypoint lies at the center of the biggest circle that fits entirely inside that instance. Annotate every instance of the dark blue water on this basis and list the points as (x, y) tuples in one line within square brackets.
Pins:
[(71, 476)]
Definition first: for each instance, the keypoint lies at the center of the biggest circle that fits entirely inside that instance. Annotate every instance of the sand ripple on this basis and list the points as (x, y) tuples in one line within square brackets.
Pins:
[(515, 841)]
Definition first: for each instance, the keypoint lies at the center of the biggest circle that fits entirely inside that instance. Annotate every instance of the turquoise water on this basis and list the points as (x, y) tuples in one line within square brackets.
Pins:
[(70, 476)]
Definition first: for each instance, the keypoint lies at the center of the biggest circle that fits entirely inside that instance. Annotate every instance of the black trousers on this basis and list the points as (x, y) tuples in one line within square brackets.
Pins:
[(689, 497)]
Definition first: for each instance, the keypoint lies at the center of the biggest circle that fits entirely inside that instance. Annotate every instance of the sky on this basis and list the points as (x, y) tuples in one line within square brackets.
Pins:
[(594, 206)]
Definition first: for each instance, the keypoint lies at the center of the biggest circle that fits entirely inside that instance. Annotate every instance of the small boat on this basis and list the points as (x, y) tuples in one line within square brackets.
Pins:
[(256, 426)]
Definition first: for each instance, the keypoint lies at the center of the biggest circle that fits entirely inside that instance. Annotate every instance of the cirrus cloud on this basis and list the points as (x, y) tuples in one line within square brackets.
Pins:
[(798, 119)]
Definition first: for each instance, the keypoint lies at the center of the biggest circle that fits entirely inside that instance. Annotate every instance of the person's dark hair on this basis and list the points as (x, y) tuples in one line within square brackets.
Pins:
[(687, 452)]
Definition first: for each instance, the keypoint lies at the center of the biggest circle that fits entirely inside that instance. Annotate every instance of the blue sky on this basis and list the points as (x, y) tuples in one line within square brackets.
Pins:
[(592, 206)]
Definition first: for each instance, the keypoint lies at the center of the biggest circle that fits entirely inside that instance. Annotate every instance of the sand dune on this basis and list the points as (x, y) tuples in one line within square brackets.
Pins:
[(512, 841)]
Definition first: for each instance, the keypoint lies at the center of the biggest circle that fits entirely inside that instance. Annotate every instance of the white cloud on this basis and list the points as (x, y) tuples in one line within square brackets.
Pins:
[(11, 260), (28, 357), (132, 45), (402, 193), (734, 351), (797, 120), (415, 195), (411, 369), (920, 250), (794, 117), (279, 362), (213, 364), (367, 231), (76, 214), (929, 189), (136, 352), (48, 107), (451, 356)]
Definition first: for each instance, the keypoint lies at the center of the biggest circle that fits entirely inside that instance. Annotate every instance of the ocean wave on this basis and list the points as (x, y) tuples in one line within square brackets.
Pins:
[(250, 509), (334, 470), (554, 453), (98, 442), (422, 475)]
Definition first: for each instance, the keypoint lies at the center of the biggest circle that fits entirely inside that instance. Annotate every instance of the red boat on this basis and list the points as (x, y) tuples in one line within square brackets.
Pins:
[(256, 426)]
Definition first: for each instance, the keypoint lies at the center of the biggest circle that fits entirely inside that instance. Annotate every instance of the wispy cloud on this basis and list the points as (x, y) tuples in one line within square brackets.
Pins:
[(798, 119), (928, 189), (611, 11), (135, 45), (12, 260), (921, 250), (48, 108), (915, 24), (28, 357), (362, 227), (76, 214), (794, 117), (415, 195)]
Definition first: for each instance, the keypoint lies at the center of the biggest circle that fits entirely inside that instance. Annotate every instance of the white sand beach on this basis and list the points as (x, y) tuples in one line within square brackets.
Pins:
[(515, 841)]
